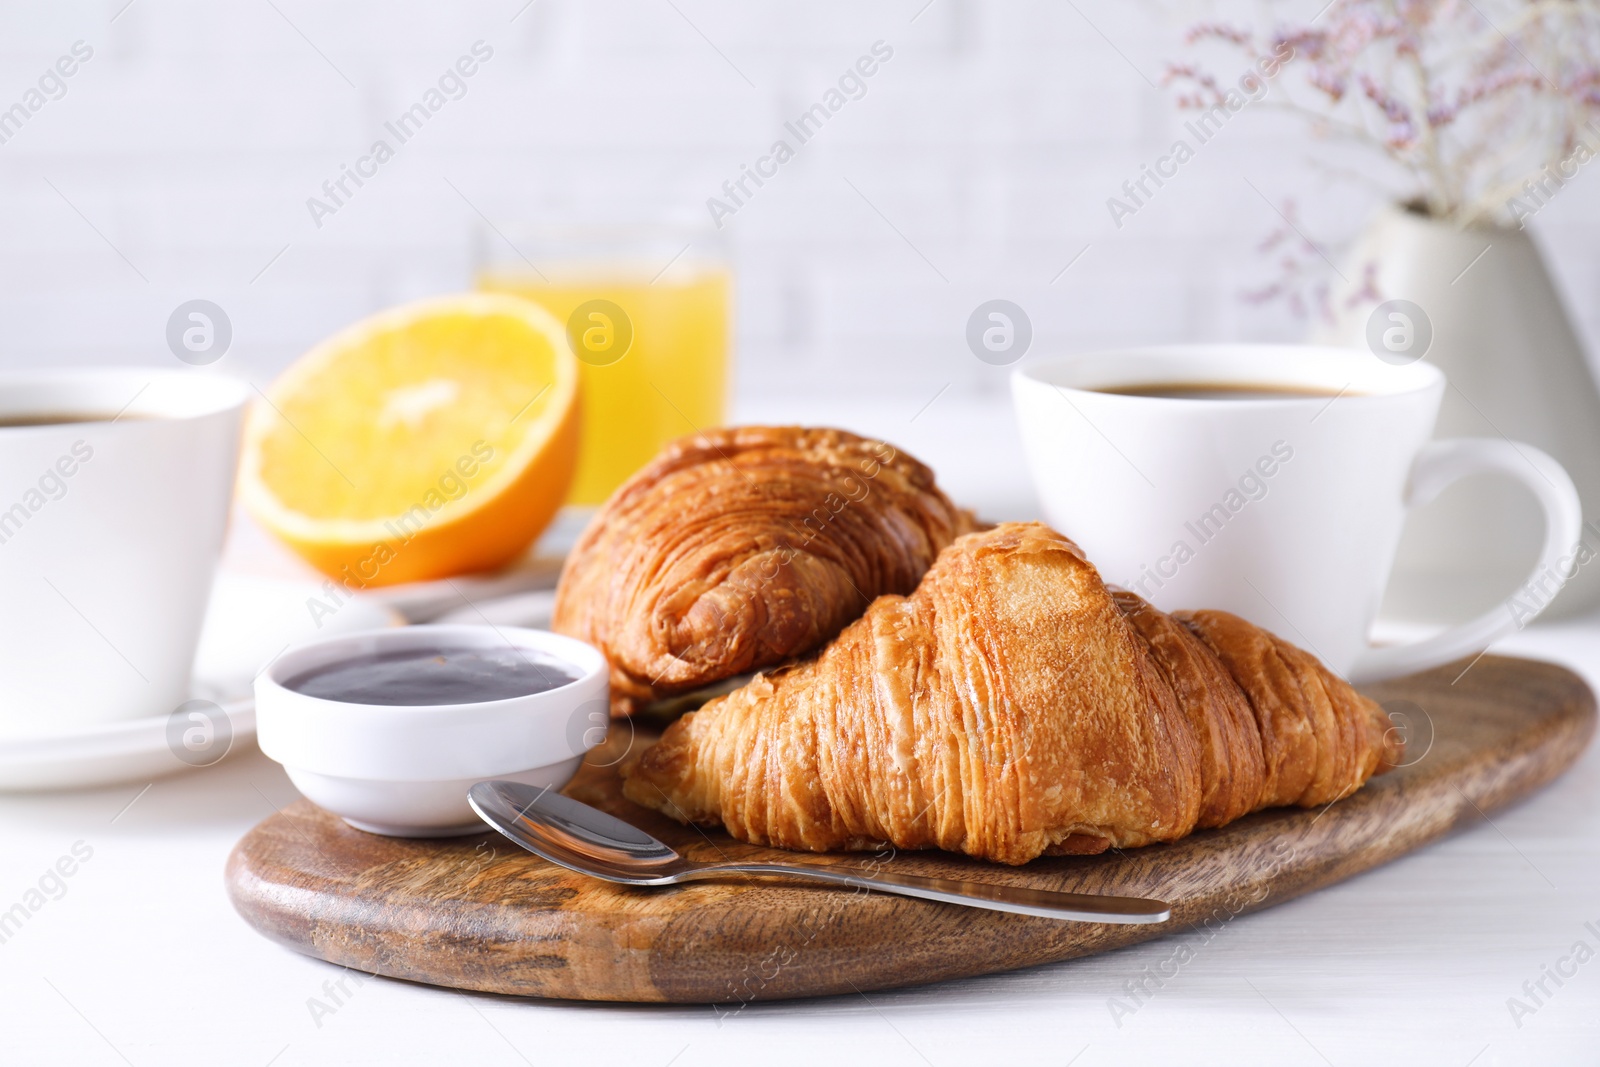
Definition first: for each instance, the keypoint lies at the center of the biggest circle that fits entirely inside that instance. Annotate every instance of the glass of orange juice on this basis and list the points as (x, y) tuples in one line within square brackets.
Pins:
[(648, 314)]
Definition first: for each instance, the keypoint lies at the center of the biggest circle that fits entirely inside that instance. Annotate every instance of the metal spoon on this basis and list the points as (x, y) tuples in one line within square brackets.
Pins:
[(587, 840)]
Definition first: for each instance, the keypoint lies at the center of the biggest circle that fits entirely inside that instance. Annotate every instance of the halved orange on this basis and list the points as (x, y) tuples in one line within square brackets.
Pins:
[(432, 439)]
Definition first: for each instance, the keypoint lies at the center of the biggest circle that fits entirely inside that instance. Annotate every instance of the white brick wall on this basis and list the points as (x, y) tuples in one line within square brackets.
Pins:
[(991, 141)]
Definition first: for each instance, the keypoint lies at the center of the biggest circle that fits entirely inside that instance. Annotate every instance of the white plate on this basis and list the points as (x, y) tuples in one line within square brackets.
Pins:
[(531, 609), (430, 601), (249, 622)]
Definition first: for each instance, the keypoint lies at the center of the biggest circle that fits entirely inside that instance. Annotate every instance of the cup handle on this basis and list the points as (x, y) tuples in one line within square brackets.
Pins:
[(1436, 466)]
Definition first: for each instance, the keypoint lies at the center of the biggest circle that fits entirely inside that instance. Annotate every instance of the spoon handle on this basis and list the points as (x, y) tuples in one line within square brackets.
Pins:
[(1082, 907)]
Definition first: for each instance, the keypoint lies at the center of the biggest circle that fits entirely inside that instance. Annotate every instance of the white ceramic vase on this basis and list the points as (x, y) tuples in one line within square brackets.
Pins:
[(1516, 370)]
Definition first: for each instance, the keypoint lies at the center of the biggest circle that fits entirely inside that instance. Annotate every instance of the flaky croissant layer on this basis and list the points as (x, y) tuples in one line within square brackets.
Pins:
[(1012, 706), (745, 547)]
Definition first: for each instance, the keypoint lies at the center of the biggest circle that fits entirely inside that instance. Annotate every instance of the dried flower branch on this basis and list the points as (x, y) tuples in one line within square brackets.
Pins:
[(1302, 282), (1470, 100)]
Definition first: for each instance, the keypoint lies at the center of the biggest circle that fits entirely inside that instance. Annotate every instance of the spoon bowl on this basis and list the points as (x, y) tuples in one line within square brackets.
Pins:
[(573, 834)]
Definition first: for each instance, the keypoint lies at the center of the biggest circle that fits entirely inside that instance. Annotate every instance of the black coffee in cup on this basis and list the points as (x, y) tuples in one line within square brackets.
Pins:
[(1218, 391), (59, 418)]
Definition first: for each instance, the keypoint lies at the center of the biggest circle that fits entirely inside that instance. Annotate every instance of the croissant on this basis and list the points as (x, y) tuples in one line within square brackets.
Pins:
[(740, 548), (1014, 706)]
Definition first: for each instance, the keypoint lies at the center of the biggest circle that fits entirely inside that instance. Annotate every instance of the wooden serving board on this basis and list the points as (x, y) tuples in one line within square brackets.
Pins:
[(478, 913)]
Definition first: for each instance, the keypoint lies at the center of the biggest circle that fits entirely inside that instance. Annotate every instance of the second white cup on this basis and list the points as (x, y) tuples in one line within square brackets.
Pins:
[(1286, 509)]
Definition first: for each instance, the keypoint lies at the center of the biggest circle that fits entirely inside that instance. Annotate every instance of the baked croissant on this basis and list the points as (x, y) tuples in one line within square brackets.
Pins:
[(741, 548), (1013, 706)]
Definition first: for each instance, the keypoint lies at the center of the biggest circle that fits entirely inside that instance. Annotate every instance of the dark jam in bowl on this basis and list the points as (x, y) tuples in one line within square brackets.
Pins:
[(423, 676)]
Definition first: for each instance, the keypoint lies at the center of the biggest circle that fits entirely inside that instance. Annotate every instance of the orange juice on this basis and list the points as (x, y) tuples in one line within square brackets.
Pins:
[(672, 378)]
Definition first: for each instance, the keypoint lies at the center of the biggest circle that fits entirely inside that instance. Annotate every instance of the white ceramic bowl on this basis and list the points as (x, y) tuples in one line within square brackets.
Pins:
[(405, 771)]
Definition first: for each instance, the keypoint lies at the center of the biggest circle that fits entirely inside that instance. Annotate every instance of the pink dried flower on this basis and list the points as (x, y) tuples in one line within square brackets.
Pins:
[(1330, 82), (1219, 31), (1402, 130), (1467, 99), (1367, 291)]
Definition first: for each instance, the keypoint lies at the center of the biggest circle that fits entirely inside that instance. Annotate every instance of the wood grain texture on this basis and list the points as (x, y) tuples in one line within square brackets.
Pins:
[(477, 913)]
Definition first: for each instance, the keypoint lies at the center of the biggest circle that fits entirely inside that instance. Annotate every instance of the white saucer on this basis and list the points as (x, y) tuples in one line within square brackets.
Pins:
[(249, 622), (110, 752)]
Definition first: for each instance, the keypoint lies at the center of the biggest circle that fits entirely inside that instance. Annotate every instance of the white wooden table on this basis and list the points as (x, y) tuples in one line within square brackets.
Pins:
[(141, 960)]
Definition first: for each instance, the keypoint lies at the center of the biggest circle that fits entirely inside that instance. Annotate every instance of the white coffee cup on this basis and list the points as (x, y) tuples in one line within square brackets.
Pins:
[(110, 532), (1287, 510)]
